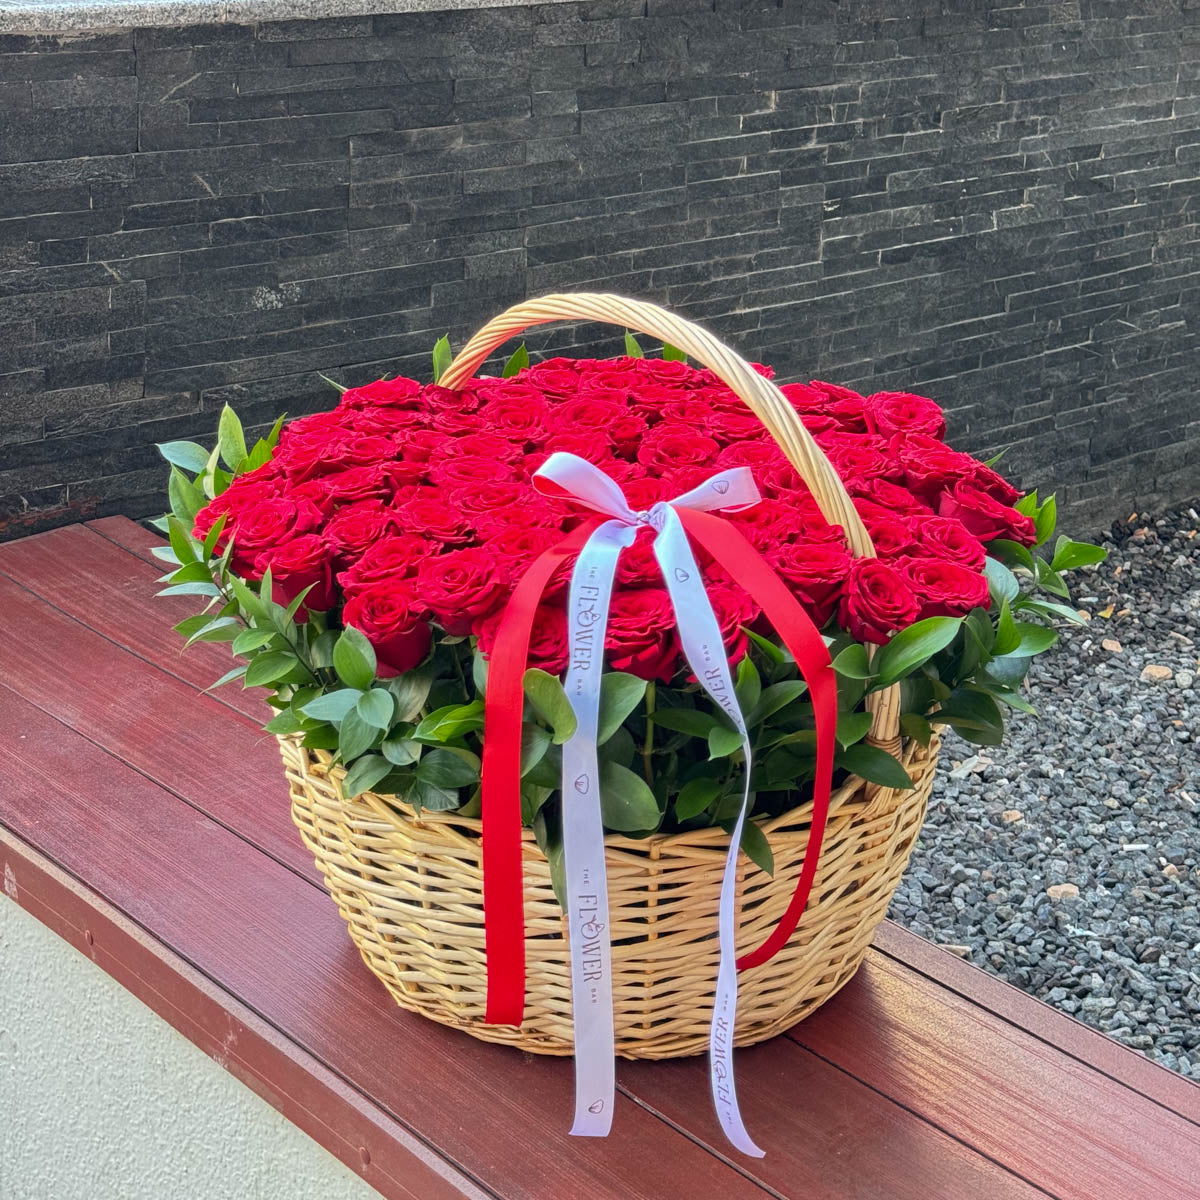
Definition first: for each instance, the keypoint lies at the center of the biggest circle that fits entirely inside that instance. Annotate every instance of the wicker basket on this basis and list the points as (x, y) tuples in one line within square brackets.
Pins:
[(411, 889)]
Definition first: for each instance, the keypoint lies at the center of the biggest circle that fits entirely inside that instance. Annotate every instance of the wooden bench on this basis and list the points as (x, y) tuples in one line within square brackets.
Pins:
[(147, 824)]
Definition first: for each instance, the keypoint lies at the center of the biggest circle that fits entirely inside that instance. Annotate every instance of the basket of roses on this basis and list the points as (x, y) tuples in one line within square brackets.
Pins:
[(609, 692)]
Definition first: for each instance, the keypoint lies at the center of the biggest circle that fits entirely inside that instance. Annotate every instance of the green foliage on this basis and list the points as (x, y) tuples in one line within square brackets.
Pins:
[(443, 356), (633, 348), (517, 361)]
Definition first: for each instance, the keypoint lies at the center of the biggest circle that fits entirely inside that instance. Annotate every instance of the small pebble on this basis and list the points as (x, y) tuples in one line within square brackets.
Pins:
[(1156, 674), (1009, 815), (1111, 645), (1062, 891)]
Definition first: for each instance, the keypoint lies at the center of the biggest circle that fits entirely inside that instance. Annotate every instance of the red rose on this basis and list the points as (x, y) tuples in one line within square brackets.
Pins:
[(731, 420), (425, 445), (460, 587), (890, 535), (427, 511), (844, 404), (890, 496), (641, 634), (992, 482), (354, 529), (889, 413), (358, 483), (394, 557), (442, 400), (945, 537), (388, 616), (876, 602), (484, 445), (930, 466), (815, 573), (637, 567), (514, 411), (589, 412), (403, 393), (943, 588), (554, 377), (733, 610), (547, 643), (517, 546), (466, 470), (261, 524), (303, 562), (986, 517), (667, 447), (857, 456)]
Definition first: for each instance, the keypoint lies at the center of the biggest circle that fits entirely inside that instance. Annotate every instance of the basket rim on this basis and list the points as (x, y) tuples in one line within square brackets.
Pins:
[(794, 820)]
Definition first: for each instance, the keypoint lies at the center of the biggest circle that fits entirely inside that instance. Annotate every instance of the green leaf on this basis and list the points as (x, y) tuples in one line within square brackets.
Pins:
[(451, 721), (322, 737), (1033, 638), (187, 456), (852, 663), (974, 714), (332, 706), (1009, 670), (443, 356), (231, 441), (354, 658), (190, 625), (340, 388), (633, 348), (220, 629), (991, 462), (875, 765), (773, 653), (620, 694), (445, 769), (756, 847), (1007, 637), (1002, 583), (434, 798), (1068, 554), (191, 589), (773, 698), (748, 686), (410, 691), (852, 727), (626, 802), (376, 707), (722, 741), (253, 639), (1011, 553), (684, 720), (550, 841), (673, 353), (165, 554), (1027, 506), (364, 774), (518, 360), (1046, 519), (250, 604), (272, 438), (399, 750), (1050, 580), (213, 534), (546, 694), (355, 736), (294, 607), (181, 541), (694, 797), (228, 677), (268, 667), (190, 572), (284, 723), (185, 497), (535, 741), (916, 727), (913, 646), (1048, 608)]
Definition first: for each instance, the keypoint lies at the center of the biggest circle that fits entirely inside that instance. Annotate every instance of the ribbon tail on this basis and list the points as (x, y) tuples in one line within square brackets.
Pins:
[(704, 649), (583, 833), (503, 899), (755, 575)]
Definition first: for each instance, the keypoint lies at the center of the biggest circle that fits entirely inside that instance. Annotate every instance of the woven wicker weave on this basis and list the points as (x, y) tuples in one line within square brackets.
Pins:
[(411, 890)]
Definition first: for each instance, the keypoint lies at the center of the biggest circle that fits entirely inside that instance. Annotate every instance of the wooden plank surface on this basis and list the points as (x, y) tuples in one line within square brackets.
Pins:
[(171, 806)]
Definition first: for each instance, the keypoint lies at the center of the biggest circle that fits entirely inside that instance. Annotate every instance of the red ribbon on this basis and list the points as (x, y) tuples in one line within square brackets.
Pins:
[(503, 898)]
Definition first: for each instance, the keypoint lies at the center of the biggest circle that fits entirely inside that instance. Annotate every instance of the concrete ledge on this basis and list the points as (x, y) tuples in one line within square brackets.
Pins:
[(63, 16)]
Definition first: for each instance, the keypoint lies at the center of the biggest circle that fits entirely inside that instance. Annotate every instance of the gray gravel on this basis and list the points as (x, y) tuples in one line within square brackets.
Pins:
[(1101, 792)]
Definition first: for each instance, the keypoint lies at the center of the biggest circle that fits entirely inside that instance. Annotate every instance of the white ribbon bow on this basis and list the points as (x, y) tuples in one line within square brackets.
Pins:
[(570, 477)]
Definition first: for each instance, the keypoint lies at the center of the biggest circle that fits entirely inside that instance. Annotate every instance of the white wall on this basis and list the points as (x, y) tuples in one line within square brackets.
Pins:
[(100, 1099)]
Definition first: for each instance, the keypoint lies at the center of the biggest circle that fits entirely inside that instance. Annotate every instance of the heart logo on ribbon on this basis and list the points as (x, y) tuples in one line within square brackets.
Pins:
[(581, 784)]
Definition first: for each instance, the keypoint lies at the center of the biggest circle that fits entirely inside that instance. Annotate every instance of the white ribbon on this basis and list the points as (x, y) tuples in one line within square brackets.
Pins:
[(571, 477)]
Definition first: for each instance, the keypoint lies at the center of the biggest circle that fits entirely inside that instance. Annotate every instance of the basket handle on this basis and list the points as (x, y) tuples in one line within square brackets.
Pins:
[(762, 396)]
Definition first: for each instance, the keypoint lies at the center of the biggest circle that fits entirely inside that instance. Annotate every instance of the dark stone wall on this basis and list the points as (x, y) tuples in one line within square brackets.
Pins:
[(996, 207)]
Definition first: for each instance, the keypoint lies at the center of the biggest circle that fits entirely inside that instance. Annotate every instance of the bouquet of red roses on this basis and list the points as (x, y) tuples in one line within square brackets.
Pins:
[(360, 561)]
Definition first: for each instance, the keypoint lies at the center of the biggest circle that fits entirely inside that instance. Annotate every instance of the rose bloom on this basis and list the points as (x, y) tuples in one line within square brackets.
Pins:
[(732, 420), (996, 486), (733, 609), (390, 618), (890, 496), (428, 512), (986, 517), (876, 602), (547, 642), (460, 587), (305, 561), (466, 470), (815, 573), (425, 445), (358, 483), (890, 413), (637, 566), (515, 411), (890, 535), (403, 393), (857, 456), (354, 529), (554, 377), (484, 445), (641, 635), (668, 447), (387, 422), (393, 557), (266, 522), (517, 546), (930, 467), (844, 404), (944, 589), (945, 537)]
